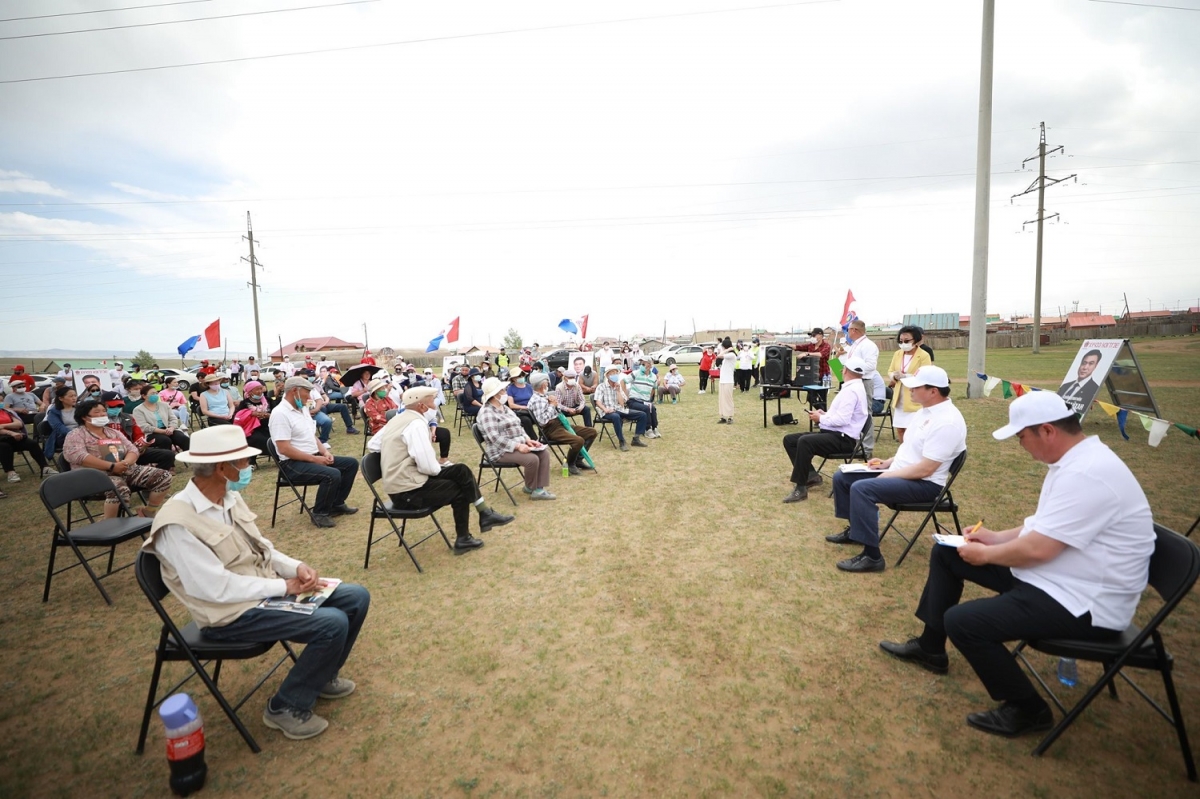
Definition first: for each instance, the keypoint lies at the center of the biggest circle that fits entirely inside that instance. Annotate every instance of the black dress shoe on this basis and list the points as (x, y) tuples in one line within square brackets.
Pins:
[(911, 651), (342, 510), (840, 538), (862, 563), (814, 479), (322, 520), (466, 544), (492, 519), (799, 494), (1011, 721)]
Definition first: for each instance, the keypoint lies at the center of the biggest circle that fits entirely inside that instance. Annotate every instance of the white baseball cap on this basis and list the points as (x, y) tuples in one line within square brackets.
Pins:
[(855, 364), (928, 376), (1034, 408)]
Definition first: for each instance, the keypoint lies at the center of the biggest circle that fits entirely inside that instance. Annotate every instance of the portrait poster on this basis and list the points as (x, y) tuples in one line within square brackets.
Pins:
[(106, 383), (1088, 372), (573, 359), (451, 362)]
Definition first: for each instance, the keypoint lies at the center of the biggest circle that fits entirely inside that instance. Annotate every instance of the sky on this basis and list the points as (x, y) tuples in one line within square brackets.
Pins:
[(650, 164)]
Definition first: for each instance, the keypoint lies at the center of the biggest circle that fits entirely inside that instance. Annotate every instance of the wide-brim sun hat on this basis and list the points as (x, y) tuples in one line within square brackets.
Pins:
[(375, 385), (215, 377), (226, 442), (491, 387)]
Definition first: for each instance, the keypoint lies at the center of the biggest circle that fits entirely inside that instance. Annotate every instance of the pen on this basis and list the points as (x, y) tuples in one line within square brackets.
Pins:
[(971, 530)]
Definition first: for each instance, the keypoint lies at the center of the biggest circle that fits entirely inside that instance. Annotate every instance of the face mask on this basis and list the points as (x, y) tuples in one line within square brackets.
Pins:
[(906, 346), (570, 382), (224, 385), (381, 393), (113, 413), (95, 392), (98, 421), (242, 481), (614, 379), (298, 403), (502, 397), (520, 381), (152, 399)]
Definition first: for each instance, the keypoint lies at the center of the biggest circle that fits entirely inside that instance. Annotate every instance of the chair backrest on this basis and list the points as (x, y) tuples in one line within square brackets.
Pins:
[(149, 577), (44, 429), (387, 417), (475, 431), (77, 484), (1174, 566), (272, 453), (371, 467), (956, 466)]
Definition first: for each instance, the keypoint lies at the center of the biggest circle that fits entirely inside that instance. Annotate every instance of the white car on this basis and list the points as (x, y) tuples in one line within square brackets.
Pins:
[(684, 353), (185, 378)]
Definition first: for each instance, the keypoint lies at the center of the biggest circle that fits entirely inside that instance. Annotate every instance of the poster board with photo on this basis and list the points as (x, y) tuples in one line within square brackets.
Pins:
[(106, 383), (587, 357), (451, 362), (1112, 364)]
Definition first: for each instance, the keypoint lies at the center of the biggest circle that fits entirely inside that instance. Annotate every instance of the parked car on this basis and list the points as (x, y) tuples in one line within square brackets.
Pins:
[(658, 356), (687, 353), (555, 359)]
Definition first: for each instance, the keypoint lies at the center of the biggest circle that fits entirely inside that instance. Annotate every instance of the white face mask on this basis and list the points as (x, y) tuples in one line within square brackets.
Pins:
[(906, 346), (99, 421), (18, 389), (570, 381)]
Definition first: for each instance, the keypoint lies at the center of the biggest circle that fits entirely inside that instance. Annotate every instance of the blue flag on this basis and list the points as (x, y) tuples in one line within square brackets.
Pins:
[(435, 342), (1122, 417), (569, 326), (188, 346)]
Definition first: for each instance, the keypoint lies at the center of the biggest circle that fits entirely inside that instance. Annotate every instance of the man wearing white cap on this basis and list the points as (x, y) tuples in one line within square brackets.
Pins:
[(840, 427), (413, 477), (1074, 569), (216, 562), (916, 473)]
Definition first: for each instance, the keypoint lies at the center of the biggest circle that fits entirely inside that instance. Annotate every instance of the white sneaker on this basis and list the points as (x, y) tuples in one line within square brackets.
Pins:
[(13, 477), (295, 724), (49, 470), (701, 391)]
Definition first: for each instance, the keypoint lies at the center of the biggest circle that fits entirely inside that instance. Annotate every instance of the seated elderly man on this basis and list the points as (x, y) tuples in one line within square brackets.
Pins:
[(839, 429), (571, 400), (642, 384), (612, 403), (916, 473), (1074, 569), (413, 477), (544, 407), (217, 563), (303, 457)]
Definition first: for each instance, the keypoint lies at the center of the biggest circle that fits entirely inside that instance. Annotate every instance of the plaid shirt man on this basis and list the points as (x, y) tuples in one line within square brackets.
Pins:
[(501, 430), (539, 405), (570, 398), (610, 396), (458, 383)]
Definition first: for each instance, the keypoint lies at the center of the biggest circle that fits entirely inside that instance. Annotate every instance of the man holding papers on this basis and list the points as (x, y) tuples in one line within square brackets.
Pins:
[(1074, 569), (916, 473), (217, 563), (840, 428)]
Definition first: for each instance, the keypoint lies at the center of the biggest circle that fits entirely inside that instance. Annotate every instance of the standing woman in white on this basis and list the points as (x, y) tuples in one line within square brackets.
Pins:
[(727, 355)]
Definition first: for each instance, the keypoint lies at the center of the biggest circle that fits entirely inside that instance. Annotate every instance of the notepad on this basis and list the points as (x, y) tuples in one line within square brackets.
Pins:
[(955, 541), (857, 467)]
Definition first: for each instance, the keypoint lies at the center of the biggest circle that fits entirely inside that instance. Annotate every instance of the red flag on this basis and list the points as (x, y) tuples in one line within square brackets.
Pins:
[(846, 307), (1019, 389), (452, 333), (583, 327), (212, 335)]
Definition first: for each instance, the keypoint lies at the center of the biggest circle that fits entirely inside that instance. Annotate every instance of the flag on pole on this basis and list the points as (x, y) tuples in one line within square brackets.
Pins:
[(583, 326), (846, 317), (569, 326), (212, 335), (452, 331), (187, 346), (448, 334)]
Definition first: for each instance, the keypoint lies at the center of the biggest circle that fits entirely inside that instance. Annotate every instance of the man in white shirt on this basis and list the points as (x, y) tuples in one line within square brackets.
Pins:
[(216, 562), (287, 367), (916, 473), (840, 427), (862, 347), (305, 459), (1074, 569), (117, 375), (605, 358), (413, 477)]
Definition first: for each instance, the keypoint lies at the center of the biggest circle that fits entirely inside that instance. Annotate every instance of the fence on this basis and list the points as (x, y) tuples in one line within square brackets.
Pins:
[(1017, 339)]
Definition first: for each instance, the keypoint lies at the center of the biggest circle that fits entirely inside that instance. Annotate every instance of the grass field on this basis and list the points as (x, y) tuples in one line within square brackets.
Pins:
[(666, 628)]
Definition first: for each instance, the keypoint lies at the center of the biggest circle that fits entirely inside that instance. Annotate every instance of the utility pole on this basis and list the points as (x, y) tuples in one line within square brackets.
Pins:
[(254, 287), (977, 344), (1040, 184)]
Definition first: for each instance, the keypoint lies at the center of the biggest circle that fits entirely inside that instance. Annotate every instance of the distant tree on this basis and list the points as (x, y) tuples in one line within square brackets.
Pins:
[(512, 339), (144, 358)]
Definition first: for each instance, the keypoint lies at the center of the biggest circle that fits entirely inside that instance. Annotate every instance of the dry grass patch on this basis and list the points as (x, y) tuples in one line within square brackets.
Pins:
[(666, 628)]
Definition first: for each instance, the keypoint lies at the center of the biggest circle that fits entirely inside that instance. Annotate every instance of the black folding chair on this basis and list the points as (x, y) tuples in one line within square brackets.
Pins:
[(605, 426), (857, 450), (77, 486), (1174, 567), (943, 503), (1192, 529), (382, 508), (558, 450), (282, 478), (191, 645), (367, 434), (497, 468)]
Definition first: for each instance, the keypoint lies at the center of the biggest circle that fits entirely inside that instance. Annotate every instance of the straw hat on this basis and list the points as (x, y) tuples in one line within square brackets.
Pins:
[(218, 444), (491, 387)]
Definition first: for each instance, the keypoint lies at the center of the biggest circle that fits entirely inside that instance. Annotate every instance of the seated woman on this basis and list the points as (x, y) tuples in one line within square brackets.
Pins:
[(253, 415), (176, 400), (519, 391), (159, 425), (61, 418), (472, 396), (671, 384), (331, 384), (14, 439), (505, 441), (216, 401), (377, 405), (96, 445)]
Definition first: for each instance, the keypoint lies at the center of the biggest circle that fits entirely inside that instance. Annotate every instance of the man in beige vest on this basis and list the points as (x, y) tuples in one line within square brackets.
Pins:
[(413, 477), (217, 563)]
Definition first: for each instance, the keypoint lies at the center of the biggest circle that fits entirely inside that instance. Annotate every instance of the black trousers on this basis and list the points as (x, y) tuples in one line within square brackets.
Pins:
[(980, 629), (454, 486), (442, 434), (801, 447), (10, 446), (164, 440), (703, 380), (158, 458)]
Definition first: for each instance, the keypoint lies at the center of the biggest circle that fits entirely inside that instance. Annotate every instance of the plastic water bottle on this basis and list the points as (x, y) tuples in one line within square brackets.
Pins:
[(1068, 672), (827, 381), (185, 743), (566, 470)]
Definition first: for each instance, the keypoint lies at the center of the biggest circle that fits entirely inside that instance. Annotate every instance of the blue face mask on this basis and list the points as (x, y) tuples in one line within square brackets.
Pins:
[(113, 413), (224, 385), (152, 399), (614, 378), (297, 402), (243, 480)]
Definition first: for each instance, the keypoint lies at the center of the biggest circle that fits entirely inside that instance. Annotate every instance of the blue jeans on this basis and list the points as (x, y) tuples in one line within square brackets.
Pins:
[(857, 495), (335, 481), (324, 426), (328, 635), (618, 423), (649, 410), (337, 407)]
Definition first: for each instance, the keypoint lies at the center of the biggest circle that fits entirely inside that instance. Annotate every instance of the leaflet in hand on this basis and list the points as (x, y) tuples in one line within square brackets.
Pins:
[(955, 541), (857, 467), (305, 603)]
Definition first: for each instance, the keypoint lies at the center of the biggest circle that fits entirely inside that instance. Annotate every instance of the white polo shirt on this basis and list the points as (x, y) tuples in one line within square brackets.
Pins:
[(869, 352), (938, 433), (1091, 502), (290, 424)]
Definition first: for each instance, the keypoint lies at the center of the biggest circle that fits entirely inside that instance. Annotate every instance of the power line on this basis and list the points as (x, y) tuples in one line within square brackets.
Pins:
[(1145, 5), (104, 10), (403, 42), (183, 21)]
